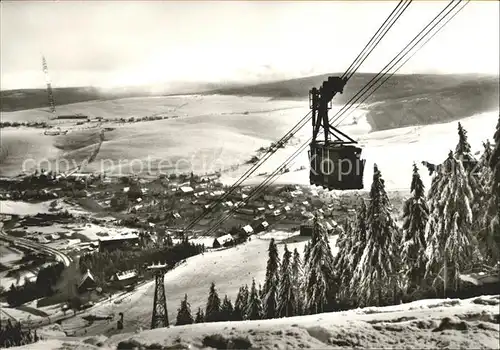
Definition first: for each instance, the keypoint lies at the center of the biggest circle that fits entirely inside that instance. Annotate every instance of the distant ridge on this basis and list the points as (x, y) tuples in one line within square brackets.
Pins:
[(405, 99)]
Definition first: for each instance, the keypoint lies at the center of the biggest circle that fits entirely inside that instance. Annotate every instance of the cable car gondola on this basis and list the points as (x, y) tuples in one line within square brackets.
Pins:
[(334, 164)]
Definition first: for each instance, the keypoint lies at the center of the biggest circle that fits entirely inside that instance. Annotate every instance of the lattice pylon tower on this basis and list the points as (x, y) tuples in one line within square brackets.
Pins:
[(52, 102), (159, 318)]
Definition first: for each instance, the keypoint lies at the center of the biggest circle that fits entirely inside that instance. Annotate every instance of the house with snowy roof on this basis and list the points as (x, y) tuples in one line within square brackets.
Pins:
[(87, 282)]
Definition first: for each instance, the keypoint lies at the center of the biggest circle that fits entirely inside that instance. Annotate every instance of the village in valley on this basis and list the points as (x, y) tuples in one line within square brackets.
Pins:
[(132, 221)]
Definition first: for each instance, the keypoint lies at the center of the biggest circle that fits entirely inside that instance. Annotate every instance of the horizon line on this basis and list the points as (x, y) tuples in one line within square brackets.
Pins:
[(240, 83)]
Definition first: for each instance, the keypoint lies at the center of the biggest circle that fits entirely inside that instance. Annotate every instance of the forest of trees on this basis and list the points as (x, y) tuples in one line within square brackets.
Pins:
[(43, 286), (452, 229), (103, 265)]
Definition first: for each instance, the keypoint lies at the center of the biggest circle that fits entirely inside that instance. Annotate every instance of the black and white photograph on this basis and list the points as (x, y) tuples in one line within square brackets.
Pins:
[(249, 174)]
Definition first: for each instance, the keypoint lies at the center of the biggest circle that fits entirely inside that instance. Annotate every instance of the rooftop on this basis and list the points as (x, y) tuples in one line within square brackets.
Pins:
[(119, 237)]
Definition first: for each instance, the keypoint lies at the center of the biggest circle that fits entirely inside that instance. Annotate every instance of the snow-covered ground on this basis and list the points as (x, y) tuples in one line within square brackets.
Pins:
[(11, 207), (425, 324), (91, 231)]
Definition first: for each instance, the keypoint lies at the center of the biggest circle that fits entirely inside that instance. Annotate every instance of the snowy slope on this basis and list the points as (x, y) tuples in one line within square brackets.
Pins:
[(425, 324)]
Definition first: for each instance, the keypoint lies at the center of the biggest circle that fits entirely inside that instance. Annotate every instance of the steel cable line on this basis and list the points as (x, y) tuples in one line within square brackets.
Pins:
[(269, 180), (350, 71), (305, 119), (387, 67), (413, 54)]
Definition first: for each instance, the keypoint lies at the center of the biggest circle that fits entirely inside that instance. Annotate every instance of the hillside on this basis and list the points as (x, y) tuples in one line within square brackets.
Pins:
[(23, 99), (404, 100)]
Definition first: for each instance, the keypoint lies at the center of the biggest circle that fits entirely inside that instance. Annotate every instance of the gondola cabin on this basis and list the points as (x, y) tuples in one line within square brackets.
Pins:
[(334, 164)]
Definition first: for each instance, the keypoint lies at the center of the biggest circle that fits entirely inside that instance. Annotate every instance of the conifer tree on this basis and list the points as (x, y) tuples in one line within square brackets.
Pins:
[(240, 305), (319, 286), (254, 306), (492, 215), (227, 310), (297, 280), (343, 260), (287, 299), (270, 290), (450, 242), (464, 154), (415, 216), (200, 317), (350, 256), (484, 169), (376, 272), (184, 313), (307, 250), (212, 311), (463, 150)]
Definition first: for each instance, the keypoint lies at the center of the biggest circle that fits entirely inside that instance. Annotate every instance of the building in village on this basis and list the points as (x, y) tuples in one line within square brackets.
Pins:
[(306, 228), (124, 279), (262, 226), (223, 241), (118, 242), (87, 282)]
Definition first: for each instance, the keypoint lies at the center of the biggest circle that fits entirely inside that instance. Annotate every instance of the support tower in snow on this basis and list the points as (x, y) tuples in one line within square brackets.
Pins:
[(52, 103), (159, 319)]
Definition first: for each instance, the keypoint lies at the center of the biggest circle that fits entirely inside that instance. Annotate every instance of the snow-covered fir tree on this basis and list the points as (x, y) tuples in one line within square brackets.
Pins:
[(359, 241), (270, 290), (212, 311), (254, 304), (287, 299), (227, 310), (343, 266), (415, 216), (200, 316), (463, 153), (485, 172), (240, 305), (479, 224), (319, 288), (184, 313), (450, 241), (491, 218), (463, 150), (307, 251), (376, 275), (297, 280)]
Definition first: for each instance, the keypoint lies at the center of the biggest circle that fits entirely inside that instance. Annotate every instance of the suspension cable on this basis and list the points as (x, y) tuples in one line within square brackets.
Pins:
[(379, 75), (269, 180), (409, 57)]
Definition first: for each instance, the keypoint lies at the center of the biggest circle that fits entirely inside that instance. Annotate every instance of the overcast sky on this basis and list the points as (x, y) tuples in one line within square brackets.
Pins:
[(138, 42)]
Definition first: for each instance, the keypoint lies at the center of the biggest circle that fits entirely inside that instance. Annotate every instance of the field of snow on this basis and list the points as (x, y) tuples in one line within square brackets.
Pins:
[(227, 268), (214, 132), (21, 208), (425, 324), (91, 231)]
